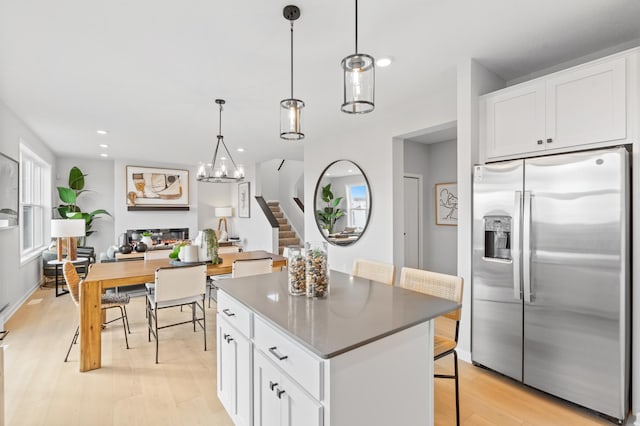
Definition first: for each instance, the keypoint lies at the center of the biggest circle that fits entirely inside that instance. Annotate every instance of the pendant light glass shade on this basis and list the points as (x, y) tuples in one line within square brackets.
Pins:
[(359, 72), (291, 109), (359, 83), (222, 169), (291, 119)]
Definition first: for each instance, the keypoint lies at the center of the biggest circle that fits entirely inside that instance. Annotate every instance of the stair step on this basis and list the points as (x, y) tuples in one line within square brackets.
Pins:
[(281, 220), (284, 228), (274, 208), (289, 241), (278, 214), (273, 203), (286, 234)]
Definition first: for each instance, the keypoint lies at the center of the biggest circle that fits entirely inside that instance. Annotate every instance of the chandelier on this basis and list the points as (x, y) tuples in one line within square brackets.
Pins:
[(219, 171)]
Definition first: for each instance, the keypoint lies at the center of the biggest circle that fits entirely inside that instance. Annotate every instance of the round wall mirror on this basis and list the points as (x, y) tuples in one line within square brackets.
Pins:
[(342, 203)]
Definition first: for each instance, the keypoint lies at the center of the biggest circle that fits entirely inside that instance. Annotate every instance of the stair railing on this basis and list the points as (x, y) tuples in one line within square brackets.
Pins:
[(299, 203), (267, 212)]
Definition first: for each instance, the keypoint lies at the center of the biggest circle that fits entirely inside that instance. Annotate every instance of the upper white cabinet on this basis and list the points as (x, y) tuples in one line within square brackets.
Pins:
[(584, 105)]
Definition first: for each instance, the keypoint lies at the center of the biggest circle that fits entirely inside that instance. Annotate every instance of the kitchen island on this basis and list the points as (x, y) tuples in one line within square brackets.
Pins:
[(361, 356)]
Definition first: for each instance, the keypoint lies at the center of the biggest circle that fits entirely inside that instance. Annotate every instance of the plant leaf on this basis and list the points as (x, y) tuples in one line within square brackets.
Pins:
[(67, 195), (337, 201), (101, 211), (76, 179)]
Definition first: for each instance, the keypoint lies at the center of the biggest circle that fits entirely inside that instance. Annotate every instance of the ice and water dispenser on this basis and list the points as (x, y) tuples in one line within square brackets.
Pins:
[(497, 237)]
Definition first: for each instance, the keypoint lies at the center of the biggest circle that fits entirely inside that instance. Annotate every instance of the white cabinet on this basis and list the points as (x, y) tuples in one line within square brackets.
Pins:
[(584, 105), (279, 401), (234, 352)]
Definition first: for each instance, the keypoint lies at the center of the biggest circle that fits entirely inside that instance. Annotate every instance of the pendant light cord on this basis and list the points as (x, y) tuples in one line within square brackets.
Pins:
[(356, 27), (220, 121), (291, 59)]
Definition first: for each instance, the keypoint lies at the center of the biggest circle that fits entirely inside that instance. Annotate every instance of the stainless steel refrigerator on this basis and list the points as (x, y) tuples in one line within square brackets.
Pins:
[(551, 271)]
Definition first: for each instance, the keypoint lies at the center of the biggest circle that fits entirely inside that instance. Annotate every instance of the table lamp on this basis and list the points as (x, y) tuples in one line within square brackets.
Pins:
[(69, 229), (223, 213)]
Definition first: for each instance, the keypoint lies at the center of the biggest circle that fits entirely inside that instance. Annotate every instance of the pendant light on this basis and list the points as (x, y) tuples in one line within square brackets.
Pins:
[(218, 171), (291, 109), (359, 80)]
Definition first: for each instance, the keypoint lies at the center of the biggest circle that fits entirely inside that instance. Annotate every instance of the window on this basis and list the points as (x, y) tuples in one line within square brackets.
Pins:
[(357, 206), (35, 202)]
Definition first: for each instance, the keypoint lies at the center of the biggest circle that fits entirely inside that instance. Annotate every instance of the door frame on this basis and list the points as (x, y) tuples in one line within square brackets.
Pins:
[(421, 227)]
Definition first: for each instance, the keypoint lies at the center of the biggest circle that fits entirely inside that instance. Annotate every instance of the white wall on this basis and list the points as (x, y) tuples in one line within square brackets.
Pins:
[(99, 195), (367, 140), (441, 242), (255, 232), (17, 280), (210, 196), (124, 219)]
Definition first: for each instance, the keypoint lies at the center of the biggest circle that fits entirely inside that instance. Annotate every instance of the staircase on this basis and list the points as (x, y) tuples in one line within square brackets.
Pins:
[(287, 236)]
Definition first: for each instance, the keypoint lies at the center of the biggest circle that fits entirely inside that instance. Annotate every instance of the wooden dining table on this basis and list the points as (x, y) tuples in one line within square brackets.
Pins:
[(103, 276)]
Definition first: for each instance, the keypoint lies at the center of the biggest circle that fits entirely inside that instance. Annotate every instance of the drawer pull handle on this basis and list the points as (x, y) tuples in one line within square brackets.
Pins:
[(228, 313), (274, 352), (549, 140), (540, 142), (280, 392), (272, 385)]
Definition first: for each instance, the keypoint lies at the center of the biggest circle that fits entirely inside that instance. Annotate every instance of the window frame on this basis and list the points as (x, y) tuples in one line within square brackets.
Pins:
[(35, 194), (350, 209)]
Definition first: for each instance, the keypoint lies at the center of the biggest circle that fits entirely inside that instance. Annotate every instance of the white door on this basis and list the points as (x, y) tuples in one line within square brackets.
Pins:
[(412, 225)]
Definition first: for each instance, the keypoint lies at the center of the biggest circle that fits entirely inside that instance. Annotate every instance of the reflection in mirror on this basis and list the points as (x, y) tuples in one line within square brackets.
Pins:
[(342, 203)]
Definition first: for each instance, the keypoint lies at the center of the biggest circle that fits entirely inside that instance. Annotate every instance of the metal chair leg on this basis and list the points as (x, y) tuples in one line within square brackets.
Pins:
[(126, 317), (73, 342), (124, 325), (156, 328), (204, 323), (455, 360)]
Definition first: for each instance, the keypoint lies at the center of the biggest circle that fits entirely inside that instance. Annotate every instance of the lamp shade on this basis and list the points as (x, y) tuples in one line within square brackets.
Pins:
[(62, 228), (224, 211)]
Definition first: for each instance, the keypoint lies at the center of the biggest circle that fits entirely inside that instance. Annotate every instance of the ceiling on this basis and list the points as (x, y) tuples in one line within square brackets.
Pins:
[(148, 71)]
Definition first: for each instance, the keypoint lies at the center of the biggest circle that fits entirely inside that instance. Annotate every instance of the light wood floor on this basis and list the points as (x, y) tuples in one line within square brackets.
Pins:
[(130, 389)]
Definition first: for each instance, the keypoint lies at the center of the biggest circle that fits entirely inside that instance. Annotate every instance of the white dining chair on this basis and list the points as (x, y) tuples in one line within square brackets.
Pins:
[(177, 286), (247, 267)]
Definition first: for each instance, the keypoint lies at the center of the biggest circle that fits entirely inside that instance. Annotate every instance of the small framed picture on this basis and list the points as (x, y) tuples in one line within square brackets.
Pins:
[(447, 203), (244, 201)]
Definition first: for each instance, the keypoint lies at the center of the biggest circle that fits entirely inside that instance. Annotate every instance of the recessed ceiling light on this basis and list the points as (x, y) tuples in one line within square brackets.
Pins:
[(383, 62), (104, 154), (103, 145), (240, 149), (350, 170), (102, 132), (223, 158)]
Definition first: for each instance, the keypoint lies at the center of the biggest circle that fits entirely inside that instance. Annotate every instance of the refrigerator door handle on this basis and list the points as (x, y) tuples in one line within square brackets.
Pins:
[(526, 247), (515, 244)]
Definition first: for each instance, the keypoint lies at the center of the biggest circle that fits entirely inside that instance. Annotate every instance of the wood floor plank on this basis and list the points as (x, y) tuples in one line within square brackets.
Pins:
[(130, 389)]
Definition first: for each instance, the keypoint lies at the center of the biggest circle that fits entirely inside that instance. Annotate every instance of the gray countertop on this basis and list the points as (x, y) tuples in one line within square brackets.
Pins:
[(356, 311)]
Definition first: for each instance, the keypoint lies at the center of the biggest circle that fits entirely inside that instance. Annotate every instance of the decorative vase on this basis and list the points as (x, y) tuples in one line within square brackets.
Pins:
[(296, 268), (147, 240), (316, 269)]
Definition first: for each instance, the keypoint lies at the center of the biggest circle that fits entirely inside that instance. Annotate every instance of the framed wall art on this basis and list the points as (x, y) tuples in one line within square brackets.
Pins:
[(9, 194), (150, 186), (244, 201), (447, 204)]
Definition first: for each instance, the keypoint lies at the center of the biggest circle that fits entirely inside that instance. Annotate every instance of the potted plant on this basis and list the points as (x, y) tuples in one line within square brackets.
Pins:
[(209, 246), (146, 238), (330, 214), (69, 196)]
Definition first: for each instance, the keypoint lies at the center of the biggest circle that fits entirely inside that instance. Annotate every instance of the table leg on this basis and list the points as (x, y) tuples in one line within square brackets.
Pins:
[(90, 325)]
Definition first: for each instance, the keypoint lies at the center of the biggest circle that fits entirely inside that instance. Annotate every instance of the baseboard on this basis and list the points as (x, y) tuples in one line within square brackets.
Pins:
[(13, 308), (464, 356)]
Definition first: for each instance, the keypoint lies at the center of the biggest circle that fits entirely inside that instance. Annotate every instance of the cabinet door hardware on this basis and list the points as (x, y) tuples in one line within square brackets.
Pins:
[(549, 140), (540, 142), (272, 384), (280, 392), (228, 313), (275, 353)]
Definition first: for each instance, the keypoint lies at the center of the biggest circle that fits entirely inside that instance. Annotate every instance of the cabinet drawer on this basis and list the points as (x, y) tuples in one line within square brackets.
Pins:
[(302, 366), (235, 313)]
